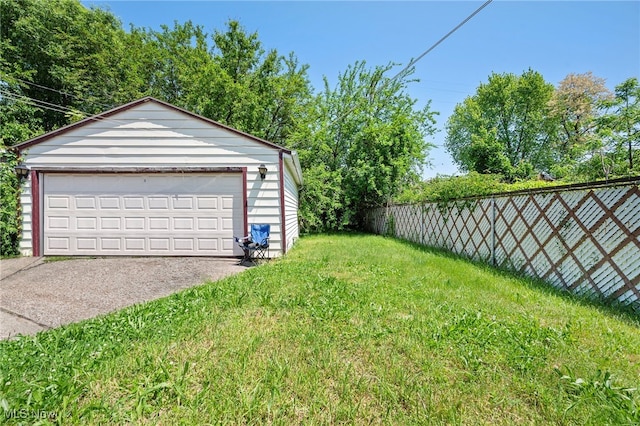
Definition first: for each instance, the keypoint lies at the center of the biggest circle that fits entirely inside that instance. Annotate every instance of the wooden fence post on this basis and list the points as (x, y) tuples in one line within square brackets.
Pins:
[(493, 231)]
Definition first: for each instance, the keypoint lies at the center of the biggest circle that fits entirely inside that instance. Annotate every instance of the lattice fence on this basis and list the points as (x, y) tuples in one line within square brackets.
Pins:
[(583, 239)]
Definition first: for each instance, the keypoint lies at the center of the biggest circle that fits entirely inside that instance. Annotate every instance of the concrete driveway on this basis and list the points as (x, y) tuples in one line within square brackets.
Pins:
[(37, 295)]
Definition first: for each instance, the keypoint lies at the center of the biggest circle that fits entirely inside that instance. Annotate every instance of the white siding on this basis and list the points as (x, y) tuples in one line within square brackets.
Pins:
[(25, 200), (153, 135), (292, 231)]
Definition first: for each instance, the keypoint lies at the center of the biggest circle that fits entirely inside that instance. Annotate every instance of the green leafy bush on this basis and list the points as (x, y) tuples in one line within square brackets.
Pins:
[(473, 184), (10, 226)]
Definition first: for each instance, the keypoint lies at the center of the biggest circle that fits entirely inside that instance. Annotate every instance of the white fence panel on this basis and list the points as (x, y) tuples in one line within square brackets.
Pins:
[(584, 239)]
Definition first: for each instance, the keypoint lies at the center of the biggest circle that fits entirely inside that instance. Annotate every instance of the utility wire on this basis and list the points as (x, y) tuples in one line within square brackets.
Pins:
[(467, 19), (54, 107), (413, 62), (33, 102), (57, 91)]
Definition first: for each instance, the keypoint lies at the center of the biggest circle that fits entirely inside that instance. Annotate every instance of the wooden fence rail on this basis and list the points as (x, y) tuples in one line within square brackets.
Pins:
[(583, 239)]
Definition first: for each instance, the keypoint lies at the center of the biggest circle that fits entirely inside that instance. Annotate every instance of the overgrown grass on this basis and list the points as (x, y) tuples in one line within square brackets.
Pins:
[(345, 329), (50, 259)]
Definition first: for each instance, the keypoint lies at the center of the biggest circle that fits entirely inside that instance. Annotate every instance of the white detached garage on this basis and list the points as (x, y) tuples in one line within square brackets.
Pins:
[(151, 179)]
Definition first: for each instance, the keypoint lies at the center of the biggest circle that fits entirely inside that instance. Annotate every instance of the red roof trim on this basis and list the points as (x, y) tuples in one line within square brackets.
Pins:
[(39, 139), (36, 247), (245, 204)]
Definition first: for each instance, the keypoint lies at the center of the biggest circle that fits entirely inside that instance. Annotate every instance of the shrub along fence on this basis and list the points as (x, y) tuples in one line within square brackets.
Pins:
[(582, 238)]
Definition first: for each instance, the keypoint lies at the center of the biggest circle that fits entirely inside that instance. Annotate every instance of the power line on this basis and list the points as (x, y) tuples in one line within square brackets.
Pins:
[(467, 19), (34, 102), (457, 27), (54, 107), (57, 91)]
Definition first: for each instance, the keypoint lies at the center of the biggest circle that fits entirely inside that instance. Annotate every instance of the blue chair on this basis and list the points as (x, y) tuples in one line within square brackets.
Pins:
[(255, 245)]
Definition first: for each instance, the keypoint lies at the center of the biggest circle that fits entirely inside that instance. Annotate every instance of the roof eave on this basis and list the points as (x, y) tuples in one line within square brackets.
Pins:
[(294, 161)]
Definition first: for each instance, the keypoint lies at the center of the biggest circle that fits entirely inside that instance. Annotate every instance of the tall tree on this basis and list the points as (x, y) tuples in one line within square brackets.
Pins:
[(70, 59), (359, 143), (169, 58), (248, 88), (620, 124), (508, 116), (575, 106)]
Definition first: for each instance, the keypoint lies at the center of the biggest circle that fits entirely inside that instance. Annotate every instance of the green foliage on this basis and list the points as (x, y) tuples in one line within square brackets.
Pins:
[(447, 188), (261, 91), (619, 403), (233, 81), (503, 124), (80, 55), (514, 126), (620, 124), (322, 200), (486, 156), (19, 121), (473, 184), (10, 223), (391, 226), (359, 144), (80, 61), (170, 56), (610, 148)]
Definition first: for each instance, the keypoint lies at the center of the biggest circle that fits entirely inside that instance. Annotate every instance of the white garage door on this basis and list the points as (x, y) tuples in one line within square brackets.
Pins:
[(142, 214)]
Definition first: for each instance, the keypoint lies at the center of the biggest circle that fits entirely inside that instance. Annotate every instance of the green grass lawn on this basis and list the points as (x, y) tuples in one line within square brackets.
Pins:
[(344, 329)]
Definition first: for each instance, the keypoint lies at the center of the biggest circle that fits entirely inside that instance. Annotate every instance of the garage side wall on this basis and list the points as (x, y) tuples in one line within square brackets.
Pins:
[(152, 135), (26, 243), (290, 208)]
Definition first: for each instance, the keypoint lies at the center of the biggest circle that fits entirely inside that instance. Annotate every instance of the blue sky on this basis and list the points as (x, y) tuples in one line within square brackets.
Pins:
[(551, 37)]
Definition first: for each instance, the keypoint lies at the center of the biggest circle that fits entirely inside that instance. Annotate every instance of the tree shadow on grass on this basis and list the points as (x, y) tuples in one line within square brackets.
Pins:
[(629, 313)]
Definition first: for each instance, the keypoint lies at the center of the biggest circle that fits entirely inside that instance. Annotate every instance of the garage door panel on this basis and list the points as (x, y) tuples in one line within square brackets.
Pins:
[(85, 203), (181, 203), (158, 203), (227, 203), (109, 203), (87, 244), (136, 215), (207, 224), (207, 244), (133, 203), (110, 224), (228, 244), (207, 203), (87, 223), (159, 223), (227, 224), (110, 245), (58, 223), (183, 223), (160, 244), (58, 202), (134, 244), (58, 243), (183, 244), (134, 223)]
